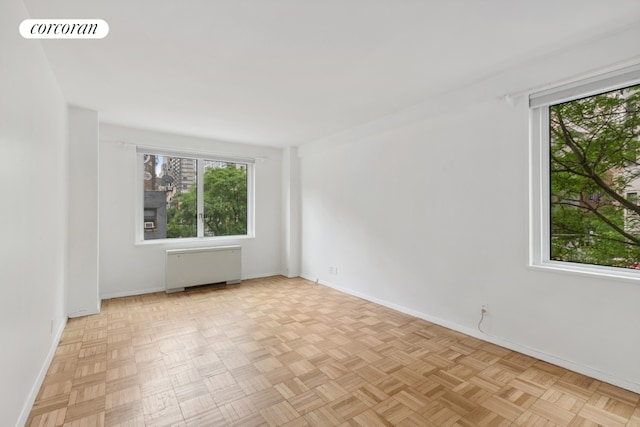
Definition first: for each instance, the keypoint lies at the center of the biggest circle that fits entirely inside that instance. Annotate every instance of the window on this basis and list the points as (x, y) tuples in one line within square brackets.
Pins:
[(585, 175), (633, 199), (185, 196)]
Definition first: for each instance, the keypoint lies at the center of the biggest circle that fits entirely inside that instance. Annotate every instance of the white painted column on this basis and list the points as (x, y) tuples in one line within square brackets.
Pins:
[(82, 289), (291, 211)]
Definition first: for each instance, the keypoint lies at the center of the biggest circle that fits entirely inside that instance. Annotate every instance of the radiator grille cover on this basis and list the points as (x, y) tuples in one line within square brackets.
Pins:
[(202, 266)]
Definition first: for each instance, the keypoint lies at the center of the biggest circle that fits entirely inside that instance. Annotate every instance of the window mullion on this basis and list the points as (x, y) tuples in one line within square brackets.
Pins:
[(545, 188), (200, 196), (250, 200)]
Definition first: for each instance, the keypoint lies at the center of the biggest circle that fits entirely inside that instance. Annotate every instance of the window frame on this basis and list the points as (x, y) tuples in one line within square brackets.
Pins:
[(540, 175), (200, 158)]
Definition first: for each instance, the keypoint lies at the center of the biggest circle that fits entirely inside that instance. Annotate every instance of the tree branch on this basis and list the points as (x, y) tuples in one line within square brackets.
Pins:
[(577, 151)]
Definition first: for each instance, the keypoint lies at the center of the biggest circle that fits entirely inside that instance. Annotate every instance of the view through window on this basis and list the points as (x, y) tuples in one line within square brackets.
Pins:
[(194, 197), (595, 179)]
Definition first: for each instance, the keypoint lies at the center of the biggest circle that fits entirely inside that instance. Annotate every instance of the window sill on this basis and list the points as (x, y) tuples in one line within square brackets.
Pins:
[(192, 241), (628, 275)]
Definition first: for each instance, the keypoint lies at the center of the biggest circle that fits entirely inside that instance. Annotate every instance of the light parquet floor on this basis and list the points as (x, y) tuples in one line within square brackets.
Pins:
[(288, 352)]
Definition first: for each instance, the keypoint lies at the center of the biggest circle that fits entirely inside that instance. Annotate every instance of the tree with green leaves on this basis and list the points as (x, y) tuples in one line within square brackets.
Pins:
[(182, 215), (595, 149), (225, 204), (225, 201)]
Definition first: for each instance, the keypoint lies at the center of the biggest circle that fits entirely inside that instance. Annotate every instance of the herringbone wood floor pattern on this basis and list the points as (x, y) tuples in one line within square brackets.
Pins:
[(280, 351)]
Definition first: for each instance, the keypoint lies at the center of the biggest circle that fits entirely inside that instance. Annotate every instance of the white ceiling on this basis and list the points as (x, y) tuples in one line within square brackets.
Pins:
[(287, 72)]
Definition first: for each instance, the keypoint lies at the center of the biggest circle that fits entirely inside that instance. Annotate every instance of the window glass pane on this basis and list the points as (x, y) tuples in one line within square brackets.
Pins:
[(225, 198), (170, 206), (595, 179)]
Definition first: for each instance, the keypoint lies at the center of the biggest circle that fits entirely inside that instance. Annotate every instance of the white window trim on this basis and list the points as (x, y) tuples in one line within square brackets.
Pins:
[(539, 175), (187, 241)]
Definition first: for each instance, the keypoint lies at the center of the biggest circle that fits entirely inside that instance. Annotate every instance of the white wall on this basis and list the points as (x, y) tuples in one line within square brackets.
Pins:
[(33, 215), (427, 211), (127, 268), (82, 283)]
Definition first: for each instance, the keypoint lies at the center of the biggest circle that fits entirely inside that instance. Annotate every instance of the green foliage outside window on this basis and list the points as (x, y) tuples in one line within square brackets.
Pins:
[(594, 152), (225, 205)]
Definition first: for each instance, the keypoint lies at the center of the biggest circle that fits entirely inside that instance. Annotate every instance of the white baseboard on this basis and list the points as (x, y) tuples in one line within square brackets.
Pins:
[(131, 293), (26, 409), (82, 313), (162, 289), (567, 364), (262, 275)]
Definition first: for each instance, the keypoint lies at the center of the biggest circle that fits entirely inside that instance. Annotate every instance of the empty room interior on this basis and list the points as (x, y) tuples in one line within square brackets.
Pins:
[(278, 212)]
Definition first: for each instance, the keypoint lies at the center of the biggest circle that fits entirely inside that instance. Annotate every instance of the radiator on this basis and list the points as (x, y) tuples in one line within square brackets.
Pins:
[(202, 266)]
